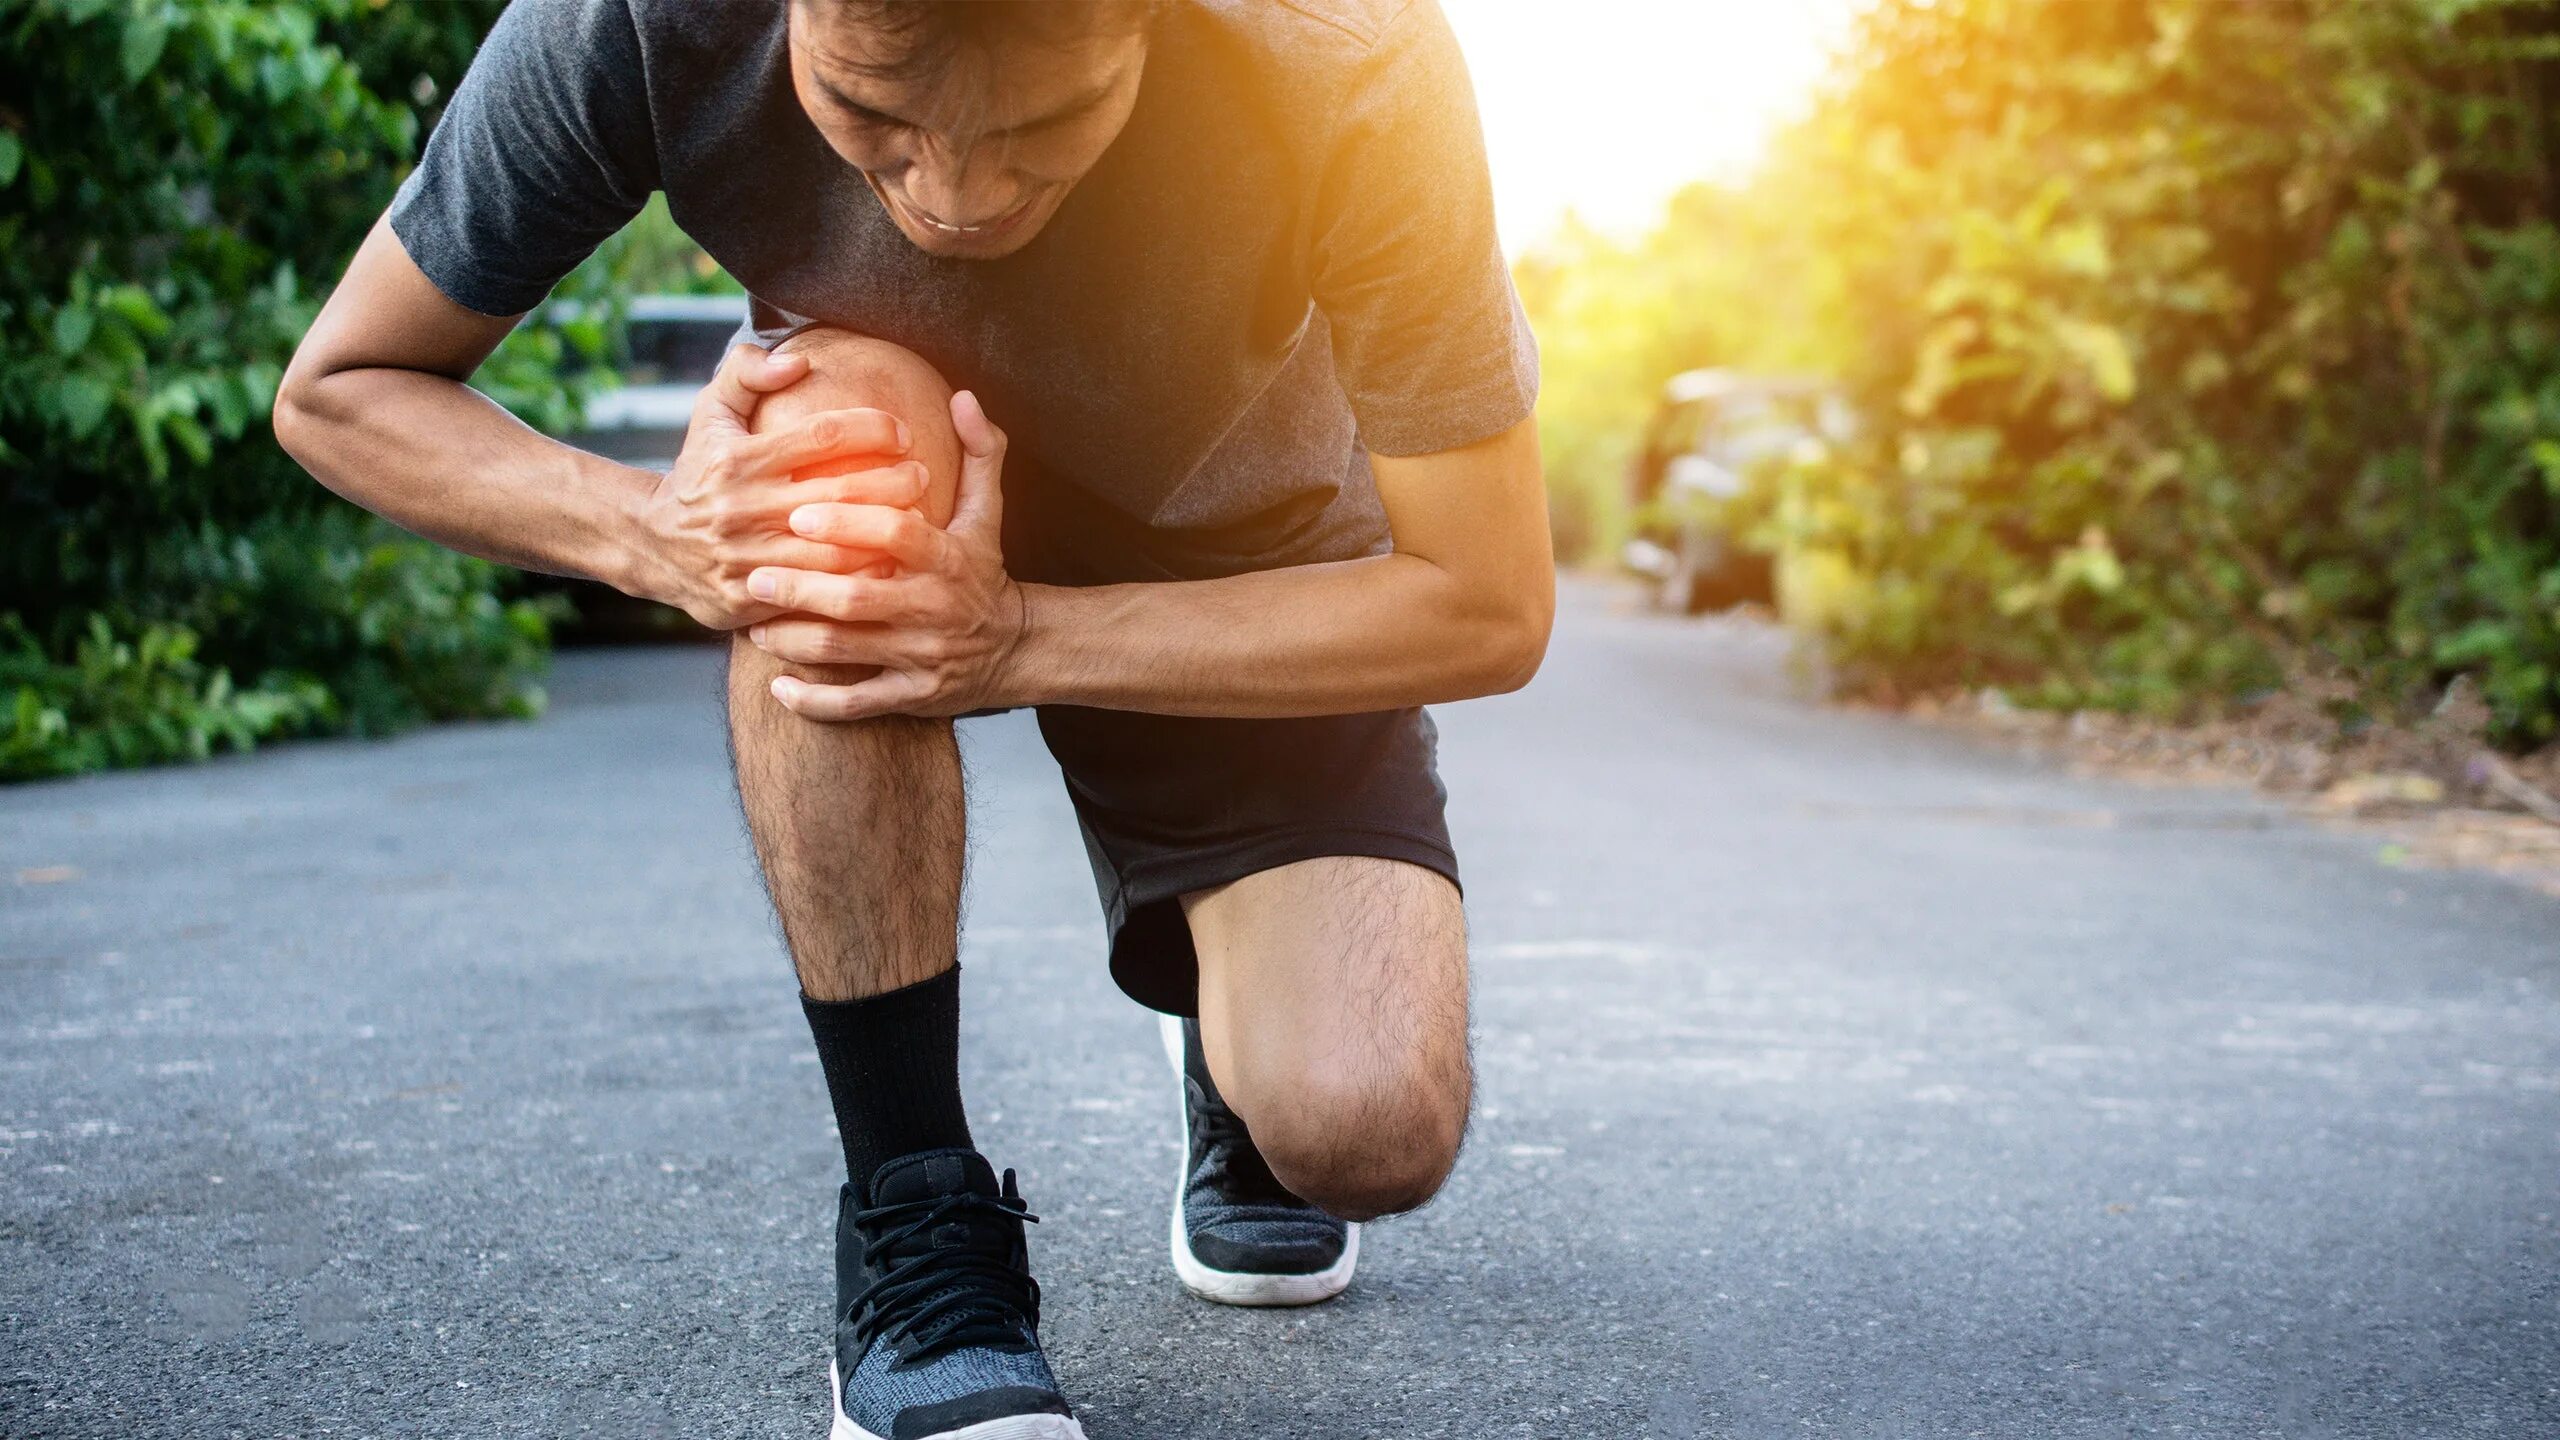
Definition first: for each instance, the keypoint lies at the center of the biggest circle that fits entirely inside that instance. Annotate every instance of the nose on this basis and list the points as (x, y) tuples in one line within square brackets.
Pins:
[(961, 191)]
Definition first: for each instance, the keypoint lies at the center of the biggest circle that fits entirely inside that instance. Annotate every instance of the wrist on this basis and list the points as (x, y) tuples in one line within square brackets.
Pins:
[(626, 543), (1023, 678)]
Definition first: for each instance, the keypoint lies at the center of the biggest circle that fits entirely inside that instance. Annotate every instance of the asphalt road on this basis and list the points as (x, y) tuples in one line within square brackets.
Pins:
[(1838, 1079)]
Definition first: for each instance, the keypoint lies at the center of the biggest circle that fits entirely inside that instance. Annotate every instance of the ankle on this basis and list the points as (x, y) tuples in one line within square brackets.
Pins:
[(892, 1065)]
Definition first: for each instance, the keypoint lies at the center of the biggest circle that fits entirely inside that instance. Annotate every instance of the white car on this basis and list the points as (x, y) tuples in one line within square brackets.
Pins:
[(1711, 430)]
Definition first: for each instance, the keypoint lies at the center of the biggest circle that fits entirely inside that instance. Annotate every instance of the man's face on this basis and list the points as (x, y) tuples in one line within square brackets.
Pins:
[(970, 160)]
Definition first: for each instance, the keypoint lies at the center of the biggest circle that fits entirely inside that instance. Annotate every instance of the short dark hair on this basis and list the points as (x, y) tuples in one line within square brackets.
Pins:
[(924, 35)]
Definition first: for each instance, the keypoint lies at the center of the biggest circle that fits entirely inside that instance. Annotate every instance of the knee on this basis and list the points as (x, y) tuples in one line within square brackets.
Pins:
[(849, 371), (757, 722), (1362, 1147)]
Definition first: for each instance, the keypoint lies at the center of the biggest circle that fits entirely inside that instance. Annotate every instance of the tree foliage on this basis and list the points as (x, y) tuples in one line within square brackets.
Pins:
[(2201, 347), (179, 180)]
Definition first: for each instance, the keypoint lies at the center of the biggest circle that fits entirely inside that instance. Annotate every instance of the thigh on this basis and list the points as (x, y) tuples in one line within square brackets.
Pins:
[(1174, 806), (1346, 973)]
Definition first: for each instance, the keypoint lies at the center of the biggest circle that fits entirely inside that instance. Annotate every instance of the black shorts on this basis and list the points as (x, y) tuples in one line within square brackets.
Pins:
[(1173, 804)]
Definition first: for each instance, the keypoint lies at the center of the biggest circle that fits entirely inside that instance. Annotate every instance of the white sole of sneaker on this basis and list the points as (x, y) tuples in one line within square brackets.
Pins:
[(1229, 1287), (1012, 1427)]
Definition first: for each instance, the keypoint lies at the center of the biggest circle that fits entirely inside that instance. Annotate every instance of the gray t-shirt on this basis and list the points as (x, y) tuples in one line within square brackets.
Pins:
[(1287, 258)]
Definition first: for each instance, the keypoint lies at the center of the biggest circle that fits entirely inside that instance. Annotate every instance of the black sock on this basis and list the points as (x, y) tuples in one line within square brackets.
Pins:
[(893, 1071)]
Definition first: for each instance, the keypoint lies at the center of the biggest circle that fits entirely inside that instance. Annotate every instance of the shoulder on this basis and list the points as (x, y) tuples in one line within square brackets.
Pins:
[(1359, 21), (694, 22), (1315, 63), (712, 70), (1314, 41), (699, 40)]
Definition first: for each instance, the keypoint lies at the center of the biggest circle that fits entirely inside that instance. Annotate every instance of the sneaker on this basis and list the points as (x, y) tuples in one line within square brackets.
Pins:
[(1239, 1236), (937, 1316)]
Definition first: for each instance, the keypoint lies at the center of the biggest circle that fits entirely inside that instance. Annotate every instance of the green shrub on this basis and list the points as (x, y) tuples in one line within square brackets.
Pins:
[(178, 183), (120, 702), (2202, 348)]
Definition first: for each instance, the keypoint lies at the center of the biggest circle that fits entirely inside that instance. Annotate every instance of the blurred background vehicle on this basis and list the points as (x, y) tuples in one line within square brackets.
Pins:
[(1714, 435), (668, 348)]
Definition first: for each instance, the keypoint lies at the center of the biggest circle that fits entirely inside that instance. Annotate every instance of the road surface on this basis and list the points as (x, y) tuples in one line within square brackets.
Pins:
[(1839, 1079)]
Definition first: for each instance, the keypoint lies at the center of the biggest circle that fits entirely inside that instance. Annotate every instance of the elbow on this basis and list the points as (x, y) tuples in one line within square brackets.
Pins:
[(1525, 652), (294, 423), (1518, 643), (301, 416), (296, 418), (303, 423)]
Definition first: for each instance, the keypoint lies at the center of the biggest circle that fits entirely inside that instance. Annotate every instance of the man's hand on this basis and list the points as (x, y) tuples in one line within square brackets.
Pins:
[(942, 626), (727, 507)]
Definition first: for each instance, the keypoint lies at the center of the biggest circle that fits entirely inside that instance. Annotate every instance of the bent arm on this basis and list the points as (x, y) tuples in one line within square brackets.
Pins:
[(1461, 608), (375, 407)]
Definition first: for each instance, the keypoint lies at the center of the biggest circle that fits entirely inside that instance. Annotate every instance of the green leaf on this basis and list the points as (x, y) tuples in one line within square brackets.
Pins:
[(12, 151), (155, 449), (191, 437), (146, 34), (72, 326), (2080, 248), (2546, 458), (2103, 349), (80, 401), (136, 308)]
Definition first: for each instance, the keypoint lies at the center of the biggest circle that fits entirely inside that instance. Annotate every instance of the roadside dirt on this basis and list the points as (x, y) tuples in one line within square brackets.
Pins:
[(2431, 795)]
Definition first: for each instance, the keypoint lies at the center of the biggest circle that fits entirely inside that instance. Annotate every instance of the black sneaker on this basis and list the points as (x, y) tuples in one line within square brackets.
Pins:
[(937, 1316), (1239, 1236)]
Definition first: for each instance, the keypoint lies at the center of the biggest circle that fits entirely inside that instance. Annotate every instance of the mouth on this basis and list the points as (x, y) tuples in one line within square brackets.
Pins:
[(985, 230)]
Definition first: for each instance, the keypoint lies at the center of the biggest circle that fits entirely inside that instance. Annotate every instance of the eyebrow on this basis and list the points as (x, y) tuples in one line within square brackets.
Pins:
[(1074, 106)]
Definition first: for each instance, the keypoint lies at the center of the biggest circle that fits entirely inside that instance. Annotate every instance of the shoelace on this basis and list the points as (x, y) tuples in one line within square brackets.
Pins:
[(1234, 1166), (951, 1296)]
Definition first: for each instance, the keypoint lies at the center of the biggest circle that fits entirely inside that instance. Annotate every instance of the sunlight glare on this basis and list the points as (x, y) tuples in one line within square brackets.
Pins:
[(1605, 107)]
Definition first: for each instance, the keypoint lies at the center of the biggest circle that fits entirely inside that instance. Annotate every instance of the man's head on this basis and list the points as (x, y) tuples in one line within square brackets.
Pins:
[(971, 121)]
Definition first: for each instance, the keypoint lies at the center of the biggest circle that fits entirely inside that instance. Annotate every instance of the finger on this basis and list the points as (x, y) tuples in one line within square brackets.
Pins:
[(806, 641), (771, 500), (979, 505), (903, 484), (891, 692), (792, 552), (902, 535), (827, 435), (857, 598), (746, 376)]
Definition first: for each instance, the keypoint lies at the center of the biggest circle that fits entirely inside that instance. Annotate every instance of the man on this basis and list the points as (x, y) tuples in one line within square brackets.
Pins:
[(1227, 273)]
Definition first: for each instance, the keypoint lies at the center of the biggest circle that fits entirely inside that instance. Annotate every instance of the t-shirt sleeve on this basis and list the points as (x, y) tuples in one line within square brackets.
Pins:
[(1428, 337), (545, 150)]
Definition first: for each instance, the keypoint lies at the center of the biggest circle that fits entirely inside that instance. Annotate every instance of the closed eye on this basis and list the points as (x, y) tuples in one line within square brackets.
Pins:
[(868, 116), (1074, 110), (856, 110)]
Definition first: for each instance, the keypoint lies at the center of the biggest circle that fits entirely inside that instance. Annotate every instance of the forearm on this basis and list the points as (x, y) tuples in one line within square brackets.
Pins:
[(1461, 607), (1370, 634), (436, 457)]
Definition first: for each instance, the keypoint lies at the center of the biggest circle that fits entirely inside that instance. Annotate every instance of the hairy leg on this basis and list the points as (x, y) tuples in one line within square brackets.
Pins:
[(860, 827), (1333, 1011)]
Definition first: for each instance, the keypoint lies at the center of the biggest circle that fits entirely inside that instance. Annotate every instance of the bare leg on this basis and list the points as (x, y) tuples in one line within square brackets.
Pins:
[(1333, 1011), (860, 827)]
